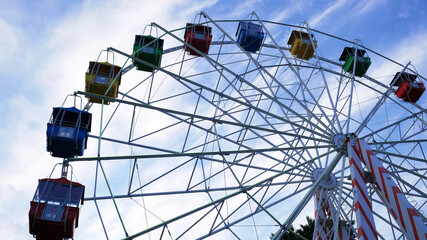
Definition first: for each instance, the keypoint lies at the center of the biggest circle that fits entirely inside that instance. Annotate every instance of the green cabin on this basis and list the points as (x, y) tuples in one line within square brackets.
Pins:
[(362, 61), (148, 49)]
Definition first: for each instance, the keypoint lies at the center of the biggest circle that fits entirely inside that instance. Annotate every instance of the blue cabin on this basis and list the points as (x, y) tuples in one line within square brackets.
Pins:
[(250, 36), (54, 210), (67, 132)]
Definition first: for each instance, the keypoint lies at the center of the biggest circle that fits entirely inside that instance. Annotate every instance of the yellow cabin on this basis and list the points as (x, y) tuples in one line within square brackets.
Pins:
[(301, 46), (99, 77)]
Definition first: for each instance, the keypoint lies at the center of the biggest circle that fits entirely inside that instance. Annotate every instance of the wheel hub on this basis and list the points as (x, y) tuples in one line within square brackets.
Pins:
[(340, 141), (328, 182)]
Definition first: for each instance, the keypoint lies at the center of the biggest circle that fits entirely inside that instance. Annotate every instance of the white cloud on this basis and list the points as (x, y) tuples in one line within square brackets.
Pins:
[(402, 52), (8, 41), (241, 10), (416, 52), (283, 15), (322, 18), (363, 7)]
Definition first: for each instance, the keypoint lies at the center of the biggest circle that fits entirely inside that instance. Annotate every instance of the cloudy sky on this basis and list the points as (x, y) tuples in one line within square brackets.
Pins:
[(45, 47)]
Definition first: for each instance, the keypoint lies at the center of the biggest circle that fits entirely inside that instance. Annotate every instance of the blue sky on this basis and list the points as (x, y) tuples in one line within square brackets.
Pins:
[(46, 46)]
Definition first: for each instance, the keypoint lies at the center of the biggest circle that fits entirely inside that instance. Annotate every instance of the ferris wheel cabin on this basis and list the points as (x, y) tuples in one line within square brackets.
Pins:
[(301, 46), (408, 88), (54, 212), (362, 61), (250, 36), (148, 49), (99, 77), (67, 132), (198, 36)]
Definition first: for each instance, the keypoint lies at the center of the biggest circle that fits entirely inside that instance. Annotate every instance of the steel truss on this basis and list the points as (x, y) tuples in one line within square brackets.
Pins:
[(234, 145)]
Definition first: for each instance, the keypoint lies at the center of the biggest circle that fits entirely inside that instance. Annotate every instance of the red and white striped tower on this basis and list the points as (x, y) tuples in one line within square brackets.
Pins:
[(343, 232), (320, 215), (325, 212), (324, 216), (402, 211), (363, 209)]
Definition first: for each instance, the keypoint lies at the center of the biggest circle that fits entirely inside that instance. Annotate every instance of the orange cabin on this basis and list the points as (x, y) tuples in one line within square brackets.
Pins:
[(408, 89), (54, 212)]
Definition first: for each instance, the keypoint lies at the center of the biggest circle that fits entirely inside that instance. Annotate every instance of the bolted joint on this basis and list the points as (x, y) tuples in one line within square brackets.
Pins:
[(340, 142)]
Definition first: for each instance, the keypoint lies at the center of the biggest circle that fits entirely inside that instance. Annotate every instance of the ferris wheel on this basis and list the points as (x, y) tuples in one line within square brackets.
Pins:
[(237, 129)]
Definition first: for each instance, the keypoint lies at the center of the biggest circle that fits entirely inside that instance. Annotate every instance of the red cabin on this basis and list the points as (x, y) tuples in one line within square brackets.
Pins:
[(408, 89), (198, 36), (54, 212)]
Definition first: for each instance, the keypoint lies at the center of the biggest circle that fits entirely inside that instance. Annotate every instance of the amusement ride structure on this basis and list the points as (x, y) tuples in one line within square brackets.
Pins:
[(236, 129)]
